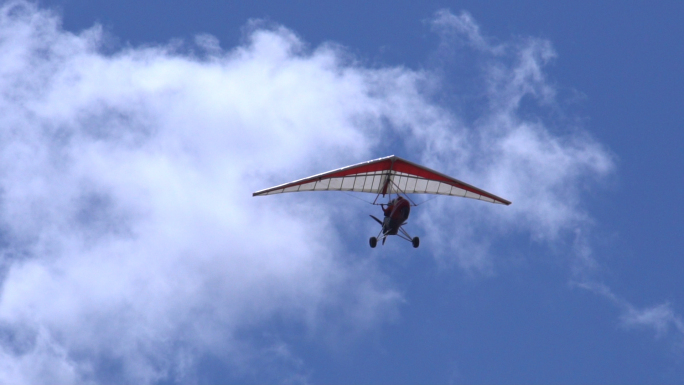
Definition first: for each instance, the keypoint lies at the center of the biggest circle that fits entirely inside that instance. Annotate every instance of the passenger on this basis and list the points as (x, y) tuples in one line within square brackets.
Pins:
[(404, 206)]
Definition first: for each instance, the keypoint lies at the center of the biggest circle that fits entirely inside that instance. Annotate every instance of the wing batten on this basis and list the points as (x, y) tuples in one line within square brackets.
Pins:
[(384, 175)]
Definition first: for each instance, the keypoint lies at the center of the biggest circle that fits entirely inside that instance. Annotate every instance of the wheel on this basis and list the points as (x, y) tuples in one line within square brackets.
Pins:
[(416, 242), (373, 242)]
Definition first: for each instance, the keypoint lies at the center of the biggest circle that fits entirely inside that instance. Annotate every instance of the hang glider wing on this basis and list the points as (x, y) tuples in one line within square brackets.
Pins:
[(387, 175)]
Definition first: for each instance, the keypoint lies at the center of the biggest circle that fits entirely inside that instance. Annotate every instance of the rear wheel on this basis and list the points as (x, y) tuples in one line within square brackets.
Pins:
[(373, 242), (416, 242)]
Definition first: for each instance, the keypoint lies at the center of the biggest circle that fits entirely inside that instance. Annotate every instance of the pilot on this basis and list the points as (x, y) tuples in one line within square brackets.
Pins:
[(390, 206)]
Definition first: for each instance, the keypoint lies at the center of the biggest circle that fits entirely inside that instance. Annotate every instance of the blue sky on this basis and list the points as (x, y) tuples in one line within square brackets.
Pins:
[(133, 135)]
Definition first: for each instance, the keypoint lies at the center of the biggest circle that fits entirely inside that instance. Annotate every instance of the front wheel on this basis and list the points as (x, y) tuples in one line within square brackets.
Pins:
[(373, 242), (416, 242)]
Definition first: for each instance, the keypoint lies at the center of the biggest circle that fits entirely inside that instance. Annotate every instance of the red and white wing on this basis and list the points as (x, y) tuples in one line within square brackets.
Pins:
[(387, 175)]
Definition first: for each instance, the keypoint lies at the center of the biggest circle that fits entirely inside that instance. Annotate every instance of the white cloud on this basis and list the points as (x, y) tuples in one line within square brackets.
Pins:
[(523, 157), (542, 172), (662, 319), (462, 28), (130, 237)]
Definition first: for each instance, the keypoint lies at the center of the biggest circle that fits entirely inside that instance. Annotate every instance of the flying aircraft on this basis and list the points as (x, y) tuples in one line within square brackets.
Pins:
[(387, 176)]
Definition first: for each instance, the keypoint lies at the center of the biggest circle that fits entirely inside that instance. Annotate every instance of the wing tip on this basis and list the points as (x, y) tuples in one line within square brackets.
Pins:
[(504, 202)]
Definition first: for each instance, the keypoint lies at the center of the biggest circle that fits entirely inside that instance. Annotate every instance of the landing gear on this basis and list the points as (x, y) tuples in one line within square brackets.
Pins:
[(373, 242), (416, 242)]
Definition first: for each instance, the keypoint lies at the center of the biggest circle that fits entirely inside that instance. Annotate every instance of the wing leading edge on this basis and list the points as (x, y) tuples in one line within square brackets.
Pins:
[(386, 175)]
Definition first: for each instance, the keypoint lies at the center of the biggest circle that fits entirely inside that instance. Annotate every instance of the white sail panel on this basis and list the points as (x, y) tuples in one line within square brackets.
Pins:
[(444, 189)]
